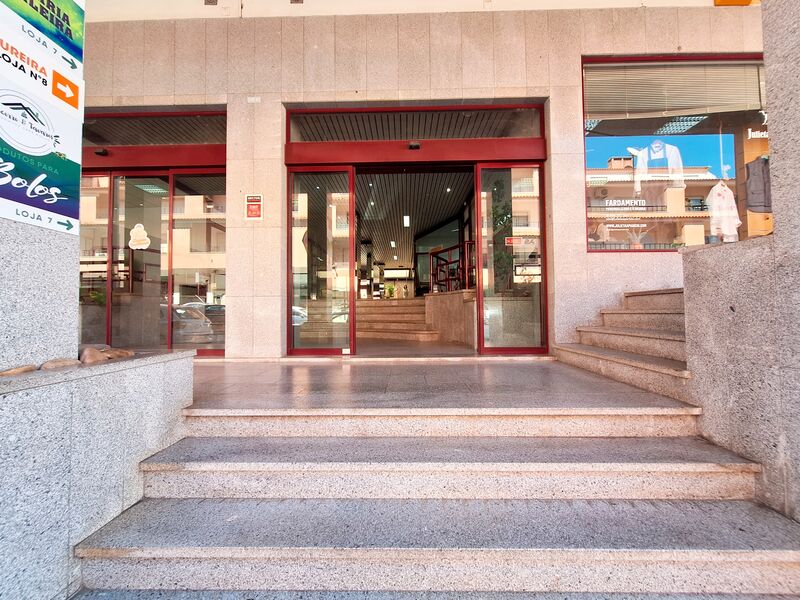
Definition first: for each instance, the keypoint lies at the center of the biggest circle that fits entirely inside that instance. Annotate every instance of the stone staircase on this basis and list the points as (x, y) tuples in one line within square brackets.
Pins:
[(394, 320), (577, 495), (642, 344)]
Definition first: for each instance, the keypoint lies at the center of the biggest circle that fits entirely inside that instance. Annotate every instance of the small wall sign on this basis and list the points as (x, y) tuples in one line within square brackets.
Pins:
[(254, 207)]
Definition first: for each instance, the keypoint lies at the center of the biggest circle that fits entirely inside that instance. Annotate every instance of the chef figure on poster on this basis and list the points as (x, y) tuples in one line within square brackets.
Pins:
[(657, 155)]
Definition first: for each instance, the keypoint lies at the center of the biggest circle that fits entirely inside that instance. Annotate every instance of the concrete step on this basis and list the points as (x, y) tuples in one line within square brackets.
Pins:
[(448, 467), (666, 319), (377, 316), (414, 309), (394, 326), (411, 334), (627, 417), (650, 342), (599, 546), (657, 375), (668, 298), (420, 301), (305, 595)]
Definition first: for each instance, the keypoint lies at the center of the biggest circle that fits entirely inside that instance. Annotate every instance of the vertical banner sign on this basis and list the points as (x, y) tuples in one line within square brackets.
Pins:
[(41, 112)]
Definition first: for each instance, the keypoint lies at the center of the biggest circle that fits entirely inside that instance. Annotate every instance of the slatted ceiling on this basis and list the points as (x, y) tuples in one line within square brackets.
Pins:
[(414, 125), (206, 185), (422, 196), (150, 131)]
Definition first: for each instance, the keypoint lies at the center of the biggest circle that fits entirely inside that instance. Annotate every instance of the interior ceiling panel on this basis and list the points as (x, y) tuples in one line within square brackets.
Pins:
[(414, 125), (200, 185), (150, 131), (383, 199)]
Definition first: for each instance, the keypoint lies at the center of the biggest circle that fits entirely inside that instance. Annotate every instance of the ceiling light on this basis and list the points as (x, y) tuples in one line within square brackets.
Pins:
[(395, 257), (679, 125), (149, 188), (406, 221), (392, 244), (448, 190), (372, 202), (370, 185)]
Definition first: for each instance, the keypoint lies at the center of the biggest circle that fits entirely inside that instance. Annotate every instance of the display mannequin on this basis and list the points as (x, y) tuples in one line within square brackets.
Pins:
[(725, 220)]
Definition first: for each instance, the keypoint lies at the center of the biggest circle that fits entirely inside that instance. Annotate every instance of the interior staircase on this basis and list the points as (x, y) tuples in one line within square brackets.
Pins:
[(642, 344), (576, 495), (394, 320)]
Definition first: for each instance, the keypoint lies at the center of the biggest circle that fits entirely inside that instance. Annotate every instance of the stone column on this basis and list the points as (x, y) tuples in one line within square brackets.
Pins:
[(781, 51), (39, 318)]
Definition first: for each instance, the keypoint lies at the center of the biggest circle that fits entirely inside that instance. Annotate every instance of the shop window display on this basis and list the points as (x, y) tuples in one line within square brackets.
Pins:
[(677, 154)]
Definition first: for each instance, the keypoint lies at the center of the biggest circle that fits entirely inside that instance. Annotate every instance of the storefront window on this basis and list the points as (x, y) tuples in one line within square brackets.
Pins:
[(136, 301), (94, 258), (677, 154), (198, 262)]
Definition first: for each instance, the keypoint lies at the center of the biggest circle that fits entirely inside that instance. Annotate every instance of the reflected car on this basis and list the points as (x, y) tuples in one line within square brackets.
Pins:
[(189, 325), (299, 316)]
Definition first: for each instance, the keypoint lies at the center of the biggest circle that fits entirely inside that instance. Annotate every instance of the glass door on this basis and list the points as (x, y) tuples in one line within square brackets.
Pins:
[(321, 265), (139, 262), (512, 291)]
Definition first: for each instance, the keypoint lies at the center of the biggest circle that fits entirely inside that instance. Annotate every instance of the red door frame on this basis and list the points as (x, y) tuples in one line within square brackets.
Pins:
[(479, 296), (352, 276), (347, 156), (170, 174), (429, 151)]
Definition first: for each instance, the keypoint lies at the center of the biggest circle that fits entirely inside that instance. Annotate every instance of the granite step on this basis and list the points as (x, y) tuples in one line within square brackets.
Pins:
[(448, 467), (386, 325), (657, 375), (390, 309), (649, 342), (598, 546), (419, 301), (305, 595), (667, 298), (666, 319), (418, 334), (626, 417)]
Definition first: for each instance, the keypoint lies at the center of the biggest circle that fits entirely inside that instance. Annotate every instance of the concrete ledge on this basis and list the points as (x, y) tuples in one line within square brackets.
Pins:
[(72, 441), (36, 379)]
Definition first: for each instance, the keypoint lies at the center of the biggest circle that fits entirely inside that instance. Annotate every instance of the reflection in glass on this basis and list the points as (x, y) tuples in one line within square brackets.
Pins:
[(94, 259), (139, 262), (511, 250), (676, 155), (198, 262), (320, 260)]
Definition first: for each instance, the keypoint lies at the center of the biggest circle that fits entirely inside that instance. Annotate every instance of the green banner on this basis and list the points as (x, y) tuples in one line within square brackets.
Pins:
[(60, 20)]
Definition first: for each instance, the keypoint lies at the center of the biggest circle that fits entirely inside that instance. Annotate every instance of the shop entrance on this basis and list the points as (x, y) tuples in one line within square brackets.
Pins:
[(405, 257), (415, 249)]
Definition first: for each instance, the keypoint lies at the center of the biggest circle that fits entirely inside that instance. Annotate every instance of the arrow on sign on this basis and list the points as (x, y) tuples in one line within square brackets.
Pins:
[(66, 90), (71, 62), (68, 224)]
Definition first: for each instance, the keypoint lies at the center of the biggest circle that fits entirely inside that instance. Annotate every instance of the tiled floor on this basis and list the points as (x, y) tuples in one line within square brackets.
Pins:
[(435, 383)]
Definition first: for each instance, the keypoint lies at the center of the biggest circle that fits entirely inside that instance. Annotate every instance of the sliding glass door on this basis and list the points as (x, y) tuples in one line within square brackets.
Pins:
[(512, 290), (321, 266)]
